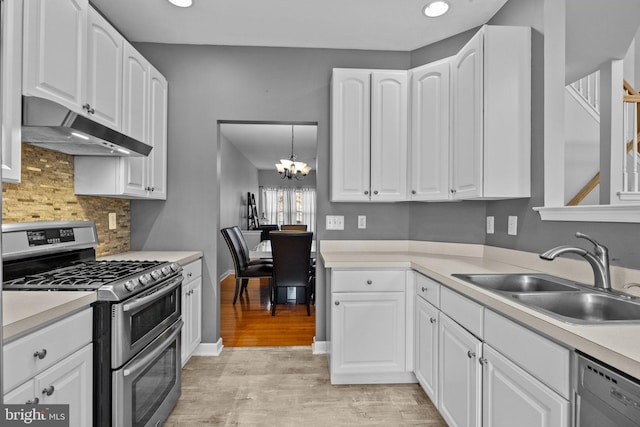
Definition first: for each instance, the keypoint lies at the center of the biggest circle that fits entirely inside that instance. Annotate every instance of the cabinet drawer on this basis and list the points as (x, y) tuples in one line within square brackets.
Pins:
[(192, 270), (464, 311), (539, 356), (368, 280), (428, 289), (21, 360)]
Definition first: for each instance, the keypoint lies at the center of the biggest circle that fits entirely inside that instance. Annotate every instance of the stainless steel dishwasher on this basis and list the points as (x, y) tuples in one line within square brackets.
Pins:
[(604, 397)]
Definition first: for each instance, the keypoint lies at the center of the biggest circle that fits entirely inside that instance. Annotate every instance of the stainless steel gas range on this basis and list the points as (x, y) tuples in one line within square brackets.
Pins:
[(137, 319)]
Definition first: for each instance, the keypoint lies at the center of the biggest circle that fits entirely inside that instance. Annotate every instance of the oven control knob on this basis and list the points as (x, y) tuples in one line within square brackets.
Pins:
[(130, 285), (175, 267), (145, 279), (156, 274), (167, 270)]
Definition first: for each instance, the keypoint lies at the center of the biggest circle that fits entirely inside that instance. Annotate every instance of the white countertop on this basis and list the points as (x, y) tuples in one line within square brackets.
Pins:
[(617, 345), (26, 310), (181, 257)]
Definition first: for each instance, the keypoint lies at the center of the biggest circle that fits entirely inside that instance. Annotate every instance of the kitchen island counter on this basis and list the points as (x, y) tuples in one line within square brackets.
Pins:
[(614, 344)]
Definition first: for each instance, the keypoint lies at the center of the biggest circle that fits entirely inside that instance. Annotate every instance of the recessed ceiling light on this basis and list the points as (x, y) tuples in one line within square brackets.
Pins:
[(181, 3), (436, 8)]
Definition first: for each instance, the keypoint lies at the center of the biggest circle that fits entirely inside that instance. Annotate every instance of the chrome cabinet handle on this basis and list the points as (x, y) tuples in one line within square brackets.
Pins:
[(471, 354), (48, 390), (337, 303), (375, 191), (366, 192), (453, 191), (33, 401), (189, 274), (369, 282), (414, 192), (483, 361), (40, 354), (88, 108), (432, 320), (424, 289)]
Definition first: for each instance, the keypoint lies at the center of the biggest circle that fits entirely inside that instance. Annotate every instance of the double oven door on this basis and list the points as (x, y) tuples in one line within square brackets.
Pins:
[(145, 358)]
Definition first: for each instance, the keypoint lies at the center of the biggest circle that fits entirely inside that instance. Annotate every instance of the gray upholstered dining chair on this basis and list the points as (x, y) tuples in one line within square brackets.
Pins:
[(291, 253)]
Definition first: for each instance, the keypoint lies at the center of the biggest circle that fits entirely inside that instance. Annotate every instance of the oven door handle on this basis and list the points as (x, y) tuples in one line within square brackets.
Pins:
[(142, 363), (140, 302)]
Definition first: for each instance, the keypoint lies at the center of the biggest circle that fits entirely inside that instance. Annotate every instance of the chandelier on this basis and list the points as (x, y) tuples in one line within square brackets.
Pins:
[(289, 168)]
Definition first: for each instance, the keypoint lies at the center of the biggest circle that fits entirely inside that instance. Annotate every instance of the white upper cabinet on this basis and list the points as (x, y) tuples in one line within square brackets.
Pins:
[(430, 118), (491, 115), (104, 71), (369, 135), (11, 89), (55, 50), (156, 185), (389, 119)]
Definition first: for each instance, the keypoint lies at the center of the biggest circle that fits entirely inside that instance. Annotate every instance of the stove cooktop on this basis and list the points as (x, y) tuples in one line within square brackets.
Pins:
[(84, 276)]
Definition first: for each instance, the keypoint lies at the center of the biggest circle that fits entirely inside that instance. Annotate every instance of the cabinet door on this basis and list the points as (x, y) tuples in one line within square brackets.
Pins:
[(426, 360), (430, 132), (54, 50), (11, 89), (70, 382), (460, 381), (466, 143), (195, 315), (389, 122), (350, 135), (511, 394), (368, 332), (22, 395), (157, 160), (104, 71), (134, 120)]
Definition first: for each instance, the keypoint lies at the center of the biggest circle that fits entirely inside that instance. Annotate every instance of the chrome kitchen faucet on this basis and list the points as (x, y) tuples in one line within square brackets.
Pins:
[(599, 260)]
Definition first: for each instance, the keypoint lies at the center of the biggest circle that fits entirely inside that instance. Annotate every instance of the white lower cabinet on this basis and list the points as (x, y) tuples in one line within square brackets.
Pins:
[(191, 309), (460, 381), (369, 327), (482, 369), (510, 396), (426, 346), (58, 371)]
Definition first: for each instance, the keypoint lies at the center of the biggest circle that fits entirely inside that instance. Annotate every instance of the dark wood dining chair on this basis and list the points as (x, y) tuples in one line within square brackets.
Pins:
[(293, 227), (245, 269), (291, 264), (265, 229)]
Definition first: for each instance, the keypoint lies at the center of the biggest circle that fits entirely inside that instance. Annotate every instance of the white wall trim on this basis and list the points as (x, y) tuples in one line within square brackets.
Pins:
[(320, 347), (225, 275), (593, 213), (209, 349)]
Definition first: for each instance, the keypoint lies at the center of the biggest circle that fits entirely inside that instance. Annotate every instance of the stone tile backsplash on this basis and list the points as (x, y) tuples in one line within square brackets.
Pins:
[(46, 193)]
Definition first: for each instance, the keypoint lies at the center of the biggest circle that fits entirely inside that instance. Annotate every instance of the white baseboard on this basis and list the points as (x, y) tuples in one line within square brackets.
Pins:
[(225, 275), (319, 347), (209, 349)]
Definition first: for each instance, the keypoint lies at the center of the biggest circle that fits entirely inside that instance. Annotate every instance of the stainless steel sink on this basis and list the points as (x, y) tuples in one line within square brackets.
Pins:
[(583, 307), (517, 283)]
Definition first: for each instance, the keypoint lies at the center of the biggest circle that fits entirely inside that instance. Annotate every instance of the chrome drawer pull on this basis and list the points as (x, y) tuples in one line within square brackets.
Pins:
[(432, 320), (40, 354), (424, 289), (48, 390), (369, 282), (483, 361), (471, 354), (337, 303), (35, 401)]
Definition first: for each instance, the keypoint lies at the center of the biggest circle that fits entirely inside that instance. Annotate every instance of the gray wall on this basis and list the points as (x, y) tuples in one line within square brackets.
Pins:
[(238, 176), (208, 84), (211, 83)]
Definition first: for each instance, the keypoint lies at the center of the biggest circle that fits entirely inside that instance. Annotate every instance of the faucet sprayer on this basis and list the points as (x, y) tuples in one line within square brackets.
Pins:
[(599, 260)]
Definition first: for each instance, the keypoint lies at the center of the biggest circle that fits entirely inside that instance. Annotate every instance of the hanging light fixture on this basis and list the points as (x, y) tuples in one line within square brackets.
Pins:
[(289, 168)]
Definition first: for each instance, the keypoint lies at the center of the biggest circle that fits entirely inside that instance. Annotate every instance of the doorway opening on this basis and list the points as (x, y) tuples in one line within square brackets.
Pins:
[(252, 194)]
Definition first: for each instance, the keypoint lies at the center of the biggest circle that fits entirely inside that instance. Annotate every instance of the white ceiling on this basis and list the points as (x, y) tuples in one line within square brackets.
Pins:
[(397, 25), (265, 144)]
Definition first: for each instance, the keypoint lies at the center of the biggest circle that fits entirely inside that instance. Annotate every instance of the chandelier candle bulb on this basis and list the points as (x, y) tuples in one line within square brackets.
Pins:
[(290, 168)]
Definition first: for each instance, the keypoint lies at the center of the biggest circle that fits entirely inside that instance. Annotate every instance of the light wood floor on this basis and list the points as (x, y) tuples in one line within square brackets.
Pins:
[(249, 323), (289, 386)]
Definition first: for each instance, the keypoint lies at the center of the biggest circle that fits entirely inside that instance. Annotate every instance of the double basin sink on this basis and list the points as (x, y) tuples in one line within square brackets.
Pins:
[(562, 299)]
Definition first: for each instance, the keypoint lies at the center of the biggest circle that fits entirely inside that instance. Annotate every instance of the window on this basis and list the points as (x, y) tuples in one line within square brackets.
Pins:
[(279, 205)]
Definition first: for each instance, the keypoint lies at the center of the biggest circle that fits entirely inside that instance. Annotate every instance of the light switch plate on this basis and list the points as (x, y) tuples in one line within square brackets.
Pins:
[(490, 225), (512, 225), (362, 221), (335, 222), (112, 221)]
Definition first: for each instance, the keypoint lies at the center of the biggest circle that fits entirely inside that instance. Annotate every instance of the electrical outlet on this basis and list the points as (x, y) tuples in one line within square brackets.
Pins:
[(512, 225), (362, 221), (490, 225), (112, 221)]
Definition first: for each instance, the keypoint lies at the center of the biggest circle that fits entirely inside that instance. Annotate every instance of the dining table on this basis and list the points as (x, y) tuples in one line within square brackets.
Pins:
[(263, 250)]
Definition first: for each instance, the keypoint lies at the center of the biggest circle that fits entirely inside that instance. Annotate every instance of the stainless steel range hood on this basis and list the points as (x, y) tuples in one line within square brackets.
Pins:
[(49, 125)]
